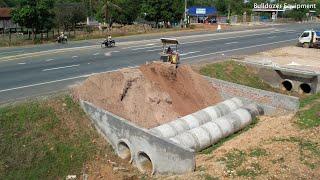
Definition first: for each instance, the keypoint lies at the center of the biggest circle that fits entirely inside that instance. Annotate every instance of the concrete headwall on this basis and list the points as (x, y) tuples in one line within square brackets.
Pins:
[(270, 101), (164, 155), (275, 76)]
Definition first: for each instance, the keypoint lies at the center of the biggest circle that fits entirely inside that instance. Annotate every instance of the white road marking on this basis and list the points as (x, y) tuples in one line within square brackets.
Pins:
[(95, 54), (232, 43), (63, 67), (55, 81), (142, 48), (138, 46), (10, 52), (294, 64), (271, 37), (115, 51), (22, 63), (74, 57), (189, 53), (107, 53), (230, 50), (49, 60), (150, 50)]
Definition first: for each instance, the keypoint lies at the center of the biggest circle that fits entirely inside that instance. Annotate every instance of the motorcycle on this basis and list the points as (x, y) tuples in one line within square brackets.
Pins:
[(62, 40), (108, 43)]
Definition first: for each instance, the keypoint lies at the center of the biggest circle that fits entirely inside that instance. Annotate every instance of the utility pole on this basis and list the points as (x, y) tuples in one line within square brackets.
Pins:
[(229, 11), (185, 14)]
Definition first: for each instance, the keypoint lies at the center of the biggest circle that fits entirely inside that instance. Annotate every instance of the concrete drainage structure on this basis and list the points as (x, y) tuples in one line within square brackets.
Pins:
[(288, 78), (170, 148)]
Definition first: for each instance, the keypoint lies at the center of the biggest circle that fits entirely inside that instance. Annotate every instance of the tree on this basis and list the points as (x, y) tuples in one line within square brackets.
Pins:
[(130, 10), (34, 14), (68, 14), (163, 10), (107, 7)]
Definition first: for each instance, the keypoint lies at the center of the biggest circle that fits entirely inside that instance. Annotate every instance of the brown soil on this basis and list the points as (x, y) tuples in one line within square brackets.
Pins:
[(154, 94), (284, 159), (291, 56)]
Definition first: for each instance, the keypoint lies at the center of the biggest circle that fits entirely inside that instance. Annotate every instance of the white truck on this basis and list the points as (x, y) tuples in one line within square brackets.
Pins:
[(309, 38)]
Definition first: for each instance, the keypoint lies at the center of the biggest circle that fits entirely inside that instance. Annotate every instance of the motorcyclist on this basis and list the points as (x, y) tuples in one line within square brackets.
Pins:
[(61, 37)]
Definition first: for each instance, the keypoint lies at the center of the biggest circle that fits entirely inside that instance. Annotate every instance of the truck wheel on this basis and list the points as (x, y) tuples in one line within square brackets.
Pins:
[(306, 45)]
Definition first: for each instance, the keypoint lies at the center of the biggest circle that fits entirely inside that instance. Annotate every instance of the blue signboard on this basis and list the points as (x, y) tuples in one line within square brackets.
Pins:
[(201, 11)]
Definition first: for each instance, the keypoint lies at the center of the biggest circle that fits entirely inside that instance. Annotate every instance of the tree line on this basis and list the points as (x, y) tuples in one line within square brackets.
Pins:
[(47, 14)]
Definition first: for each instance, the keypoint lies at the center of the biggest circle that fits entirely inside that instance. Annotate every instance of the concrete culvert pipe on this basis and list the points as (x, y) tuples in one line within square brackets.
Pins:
[(305, 88), (287, 85), (209, 133), (196, 119), (124, 151), (144, 163)]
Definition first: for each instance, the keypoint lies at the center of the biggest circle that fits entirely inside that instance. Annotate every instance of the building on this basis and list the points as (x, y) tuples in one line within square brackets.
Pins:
[(5, 19), (202, 14)]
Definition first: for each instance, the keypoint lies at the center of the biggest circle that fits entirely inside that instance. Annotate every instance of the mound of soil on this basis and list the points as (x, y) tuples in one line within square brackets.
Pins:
[(150, 95)]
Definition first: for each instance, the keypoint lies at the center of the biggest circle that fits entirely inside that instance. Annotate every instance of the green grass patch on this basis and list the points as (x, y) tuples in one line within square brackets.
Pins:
[(37, 142), (235, 72), (309, 151), (252, 171), (309, 100), (221, 142), (257, 152), (234, 161), (309, 114), (309, 118)]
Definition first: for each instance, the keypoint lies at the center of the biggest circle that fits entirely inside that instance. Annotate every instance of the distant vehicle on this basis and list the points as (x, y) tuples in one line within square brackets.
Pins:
[(108, 43), (309, 38), (62, 40), (170, 51)]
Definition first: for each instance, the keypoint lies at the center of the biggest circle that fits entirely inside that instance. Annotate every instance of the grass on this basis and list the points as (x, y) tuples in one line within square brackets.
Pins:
[(221, 142), (44, 140), (309, 100), (309, 151), (309, 114), (252, 171), (234, 72), (234, 161), (257, 152)]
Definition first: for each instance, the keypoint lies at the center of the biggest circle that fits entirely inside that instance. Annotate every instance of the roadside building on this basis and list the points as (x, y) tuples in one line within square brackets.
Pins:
[(268, 14), (198, 14), (5, 19)]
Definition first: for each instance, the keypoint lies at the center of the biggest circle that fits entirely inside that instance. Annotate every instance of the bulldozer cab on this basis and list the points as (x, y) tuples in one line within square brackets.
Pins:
[(170, 50)]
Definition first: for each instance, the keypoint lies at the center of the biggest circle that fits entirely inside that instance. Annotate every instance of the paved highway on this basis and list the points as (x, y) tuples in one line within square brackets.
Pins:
[(39, 70)]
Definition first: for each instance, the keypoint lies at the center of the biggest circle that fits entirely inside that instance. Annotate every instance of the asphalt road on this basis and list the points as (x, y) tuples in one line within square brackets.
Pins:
[(39, 70)]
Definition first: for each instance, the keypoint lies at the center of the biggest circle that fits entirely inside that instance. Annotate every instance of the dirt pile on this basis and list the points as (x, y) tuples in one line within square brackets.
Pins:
[(150, 95)]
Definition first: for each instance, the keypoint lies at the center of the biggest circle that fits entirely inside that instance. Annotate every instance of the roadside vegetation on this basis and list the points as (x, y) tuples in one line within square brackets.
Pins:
[(51, 139), (309, 113), (235, 72)]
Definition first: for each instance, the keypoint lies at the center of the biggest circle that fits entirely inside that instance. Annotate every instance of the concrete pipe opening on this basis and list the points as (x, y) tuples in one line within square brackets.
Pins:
[(305, 88), (144, 163), (124, 151), (287, 85)]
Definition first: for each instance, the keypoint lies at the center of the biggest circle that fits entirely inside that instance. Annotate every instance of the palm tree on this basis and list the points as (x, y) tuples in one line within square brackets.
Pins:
[(108, 5), (3, 3)]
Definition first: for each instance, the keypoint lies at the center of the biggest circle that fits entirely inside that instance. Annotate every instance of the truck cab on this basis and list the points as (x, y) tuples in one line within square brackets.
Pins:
[(309, 38)]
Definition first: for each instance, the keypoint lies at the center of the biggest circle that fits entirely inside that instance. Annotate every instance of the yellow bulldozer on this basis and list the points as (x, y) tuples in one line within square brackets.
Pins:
[(170, 51)]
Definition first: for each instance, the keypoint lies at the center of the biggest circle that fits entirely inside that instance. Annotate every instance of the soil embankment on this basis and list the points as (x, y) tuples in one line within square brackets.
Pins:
[(150, 95)]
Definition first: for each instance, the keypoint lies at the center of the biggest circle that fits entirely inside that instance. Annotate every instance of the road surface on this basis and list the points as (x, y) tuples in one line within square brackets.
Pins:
[(39, 70)]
